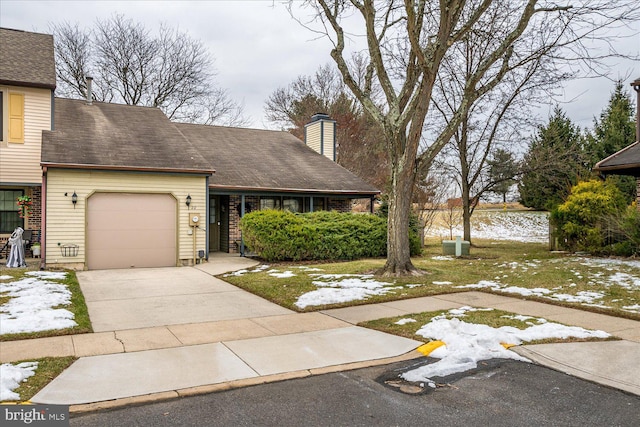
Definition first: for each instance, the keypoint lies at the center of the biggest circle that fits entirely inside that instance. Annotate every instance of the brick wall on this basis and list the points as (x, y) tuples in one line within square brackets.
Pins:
[(34, 221), (340, 205), (251, 203)]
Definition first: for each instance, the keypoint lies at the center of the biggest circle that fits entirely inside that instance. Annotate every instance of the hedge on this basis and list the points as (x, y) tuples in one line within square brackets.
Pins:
[(282, 235)]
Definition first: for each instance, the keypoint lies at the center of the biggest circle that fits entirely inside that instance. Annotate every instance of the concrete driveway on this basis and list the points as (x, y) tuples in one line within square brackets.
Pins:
[(147, 297)]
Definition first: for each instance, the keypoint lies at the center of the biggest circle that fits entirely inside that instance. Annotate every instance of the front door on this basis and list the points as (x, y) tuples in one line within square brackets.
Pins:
[(214, 223)]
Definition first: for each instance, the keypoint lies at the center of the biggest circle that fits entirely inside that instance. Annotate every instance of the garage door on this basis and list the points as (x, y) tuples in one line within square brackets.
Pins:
[(131, 230)]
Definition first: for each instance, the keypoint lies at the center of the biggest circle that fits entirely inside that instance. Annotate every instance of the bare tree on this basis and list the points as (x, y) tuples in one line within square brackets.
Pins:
[(169, 70), (359, 147), (406, 42)]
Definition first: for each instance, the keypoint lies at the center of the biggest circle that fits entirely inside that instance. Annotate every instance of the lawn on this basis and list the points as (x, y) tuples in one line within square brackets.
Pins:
[(524, 270), (36, 304)]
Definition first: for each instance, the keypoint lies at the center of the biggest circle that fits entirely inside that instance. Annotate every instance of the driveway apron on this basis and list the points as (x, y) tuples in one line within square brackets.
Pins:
[(148, 297)]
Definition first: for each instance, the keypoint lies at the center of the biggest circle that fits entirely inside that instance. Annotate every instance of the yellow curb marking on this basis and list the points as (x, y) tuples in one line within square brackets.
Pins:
[(427, 348)]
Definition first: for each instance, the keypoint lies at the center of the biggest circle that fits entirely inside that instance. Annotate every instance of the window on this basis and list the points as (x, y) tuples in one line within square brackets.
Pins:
[(270, 203), (293, 204), (9, 218)]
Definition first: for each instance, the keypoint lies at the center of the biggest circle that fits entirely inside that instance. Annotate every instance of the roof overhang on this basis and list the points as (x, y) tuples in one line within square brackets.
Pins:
[(344, 193), (27, 84), (609, 166), (206, 172)]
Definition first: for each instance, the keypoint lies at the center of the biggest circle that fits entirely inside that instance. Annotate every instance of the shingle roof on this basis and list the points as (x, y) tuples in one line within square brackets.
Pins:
[(263, 160), (26, 59), (624, 162), (116, 136)]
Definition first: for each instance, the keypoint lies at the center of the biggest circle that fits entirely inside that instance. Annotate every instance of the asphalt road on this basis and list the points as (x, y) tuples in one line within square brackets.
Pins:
[(500, 393)]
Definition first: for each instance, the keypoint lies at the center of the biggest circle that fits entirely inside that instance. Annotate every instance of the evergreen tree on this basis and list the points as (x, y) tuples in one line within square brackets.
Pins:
[(615, 130), (553, 164), (503, 168)]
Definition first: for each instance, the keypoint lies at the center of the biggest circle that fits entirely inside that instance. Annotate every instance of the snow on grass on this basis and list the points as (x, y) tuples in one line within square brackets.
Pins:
[(498, 225), (12, 375), (281, 275), (405, 321), (257, 269), (33, 302), (339, 288), (466, 344), (4, 277), (442, 258)]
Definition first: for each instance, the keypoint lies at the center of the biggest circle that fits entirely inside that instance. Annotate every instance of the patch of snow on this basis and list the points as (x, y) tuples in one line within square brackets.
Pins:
[(282, 275), (498, 225), (349, 287), (257, 269), (31, 306), (405, 321), (584, 297), (632, 308), (51, 275), (466, 344), (443, 283), (305, 268), (6, 277), (625, 280), (12, 375), (591, 262), (442, 258)]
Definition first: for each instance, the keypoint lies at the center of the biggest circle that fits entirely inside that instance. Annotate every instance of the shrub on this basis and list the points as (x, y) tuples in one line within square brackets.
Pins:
[(585, 220), (282, 235)]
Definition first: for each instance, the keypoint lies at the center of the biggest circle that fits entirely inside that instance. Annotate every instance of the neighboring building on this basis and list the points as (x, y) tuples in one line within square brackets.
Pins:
[(627, 160), (27, 82), (119, 186)]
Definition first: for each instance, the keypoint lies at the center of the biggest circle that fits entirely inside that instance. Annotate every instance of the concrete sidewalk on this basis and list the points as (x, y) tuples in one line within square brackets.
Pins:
[(136, 365)]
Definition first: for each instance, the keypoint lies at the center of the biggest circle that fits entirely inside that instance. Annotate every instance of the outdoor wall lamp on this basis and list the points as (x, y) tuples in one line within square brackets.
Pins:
[(188, 200), (74, 199)]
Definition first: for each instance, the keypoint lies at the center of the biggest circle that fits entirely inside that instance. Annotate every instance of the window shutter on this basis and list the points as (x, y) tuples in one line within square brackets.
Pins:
[(16, 117)]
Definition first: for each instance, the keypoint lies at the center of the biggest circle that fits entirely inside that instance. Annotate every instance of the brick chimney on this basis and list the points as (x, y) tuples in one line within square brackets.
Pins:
[(320, 135)]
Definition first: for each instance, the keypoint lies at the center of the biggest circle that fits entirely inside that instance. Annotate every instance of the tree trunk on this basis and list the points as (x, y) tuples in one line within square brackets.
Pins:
[(398, 249), (466, 212)]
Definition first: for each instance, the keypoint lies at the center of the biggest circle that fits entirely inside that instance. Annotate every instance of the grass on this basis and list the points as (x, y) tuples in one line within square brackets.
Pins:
[(78, 307), (526, 265), (48, 369), (492, 318)]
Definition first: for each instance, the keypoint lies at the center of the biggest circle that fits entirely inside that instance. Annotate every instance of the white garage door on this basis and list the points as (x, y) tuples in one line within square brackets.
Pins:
[(127, 230)]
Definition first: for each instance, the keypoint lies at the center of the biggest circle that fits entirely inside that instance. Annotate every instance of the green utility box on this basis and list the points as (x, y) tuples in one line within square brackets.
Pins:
[(449, 247)]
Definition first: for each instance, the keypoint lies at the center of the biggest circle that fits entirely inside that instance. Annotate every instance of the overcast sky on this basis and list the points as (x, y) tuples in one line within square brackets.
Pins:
[(258, 47)]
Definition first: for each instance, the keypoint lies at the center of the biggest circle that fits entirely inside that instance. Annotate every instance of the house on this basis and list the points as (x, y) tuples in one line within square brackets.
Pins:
[(122, 186), (627, 160), (27, 83)]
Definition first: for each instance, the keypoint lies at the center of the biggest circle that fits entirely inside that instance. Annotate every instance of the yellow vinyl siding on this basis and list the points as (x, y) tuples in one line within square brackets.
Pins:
[(328, 131), (319, 137), (313, 136), (20, 163), (66, 225), (16, 117)]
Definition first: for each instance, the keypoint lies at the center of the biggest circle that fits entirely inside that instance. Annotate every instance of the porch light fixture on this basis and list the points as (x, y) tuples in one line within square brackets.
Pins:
[(188, 200), (74, 199)]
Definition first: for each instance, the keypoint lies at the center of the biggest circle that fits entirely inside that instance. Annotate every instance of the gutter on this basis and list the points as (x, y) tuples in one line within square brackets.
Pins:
[(126, 168)]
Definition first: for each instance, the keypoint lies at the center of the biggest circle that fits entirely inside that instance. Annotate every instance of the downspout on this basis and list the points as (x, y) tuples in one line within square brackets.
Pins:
[(207, 225), (43, 219)]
